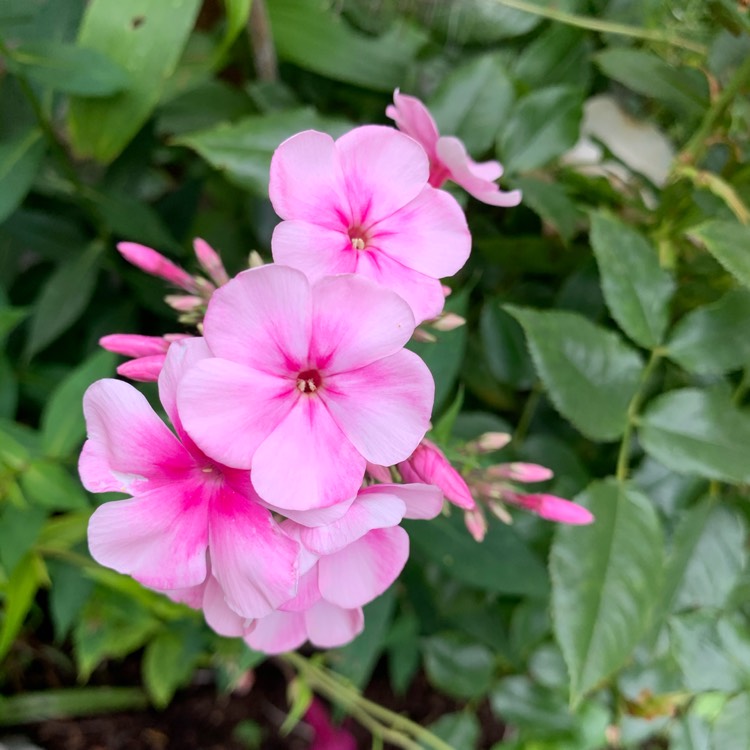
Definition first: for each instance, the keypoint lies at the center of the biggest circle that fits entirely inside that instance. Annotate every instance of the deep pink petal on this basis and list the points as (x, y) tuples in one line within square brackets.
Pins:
[(278, 632), (134, 345), (230, 409), (327, 736), (148, 260), (330, 626), (143, 369), (252, 559), (429, 234), (553, 508), (261, 319), (383, 408), (356, 322), (314, 249), (306, 180), (307, 462), (159, 538), (383, 171), (362, 571), (413, 118)]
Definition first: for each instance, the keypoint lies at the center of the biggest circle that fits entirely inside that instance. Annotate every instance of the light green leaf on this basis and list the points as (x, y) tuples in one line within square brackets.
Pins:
[(237, 13), (535, 709), (458, 666), (19, 529), (636, 289), (20, 158), (591, 375), (69, 68), (605, 582), (692, 431), (543, 125), (712, 340), (63, 427), (473, 102), (243, 150), (145, 38), (19, 592), (732, 727), (561, 54), (460, 730), (312, 35), (729, 243), (50, 486)]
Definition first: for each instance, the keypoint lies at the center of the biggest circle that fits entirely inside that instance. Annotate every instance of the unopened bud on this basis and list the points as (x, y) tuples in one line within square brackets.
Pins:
[(210, 261), (490, 442), (421, 335), (476, 523), (254, 260), (448, 322), (500, 512), (183, 302), (520, 472), (148, 260)]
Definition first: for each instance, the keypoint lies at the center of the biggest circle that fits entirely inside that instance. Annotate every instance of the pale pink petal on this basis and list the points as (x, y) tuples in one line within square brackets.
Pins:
[(143, 369), (261, 318), (191, 596), (314, 249), (148, 260), (362, 571), (229, 409), (423, 293), (93, 468), (375, 508), (423, 501), (473, 177), (356, 322), (133, 345), (383, 171), (520, 472), (329, 626), (308, 593), (159, 538), (219, 616), (316, 516), (384, 408), (123, 427), (552, 508), (414, 119), (429, 234), (255, 563), (379, 473), (306, 181), (307, 462), (278, 632)]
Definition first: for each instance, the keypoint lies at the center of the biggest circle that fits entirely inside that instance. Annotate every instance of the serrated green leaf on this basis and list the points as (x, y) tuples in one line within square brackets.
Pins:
[(605, 582), (590, 373), (20, 158), (243, 150), (713, 340), (145, 38), (458, 666), (692, 431), (69, 68), (729, 243), (636, 289)]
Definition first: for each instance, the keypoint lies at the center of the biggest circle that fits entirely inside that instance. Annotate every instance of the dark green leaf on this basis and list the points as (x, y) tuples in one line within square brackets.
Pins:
[(20, 158), (19, 529), (459, 730), (561, 54), (728, 242), (20, 590), (636, 289), (698, 432), (237, 13), (712, 340), (69, 592), (504, 347), (537, 710), (403, 652), (605, 582), (10, 317), (590, 373), (551, 202), (457, 666)]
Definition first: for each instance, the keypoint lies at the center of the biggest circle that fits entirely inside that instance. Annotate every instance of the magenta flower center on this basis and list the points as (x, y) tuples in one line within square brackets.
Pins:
[(308, 381)]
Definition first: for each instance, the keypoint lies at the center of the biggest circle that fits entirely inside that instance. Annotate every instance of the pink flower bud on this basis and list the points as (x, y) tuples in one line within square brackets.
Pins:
[(183, 302), (210, 261), (490, 442), (133, 344), (425, 336), (379, 473), (429, 465), (327, 736), (500, 512), (156, 264), (448, 322), (476, 523), (144, 369), (553, 508), (520, 472)]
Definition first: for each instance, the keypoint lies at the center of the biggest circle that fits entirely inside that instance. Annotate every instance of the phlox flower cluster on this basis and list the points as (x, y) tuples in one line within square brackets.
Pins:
[(298, 417)]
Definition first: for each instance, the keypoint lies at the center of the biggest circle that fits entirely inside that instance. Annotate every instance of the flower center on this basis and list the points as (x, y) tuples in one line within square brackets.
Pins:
[(309, 381), (358, 236)]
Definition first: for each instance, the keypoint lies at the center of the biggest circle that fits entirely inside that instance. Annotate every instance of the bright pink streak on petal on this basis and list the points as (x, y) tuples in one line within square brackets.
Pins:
[(307, 462), (155, 264), (414, 119), (363, 570), (552, 508), (159, 538), (384, 408), (278, 632), (317, 250), (210, 261), (134, 345), (143, 369), (330, 626), (355, 323), (261, 319)]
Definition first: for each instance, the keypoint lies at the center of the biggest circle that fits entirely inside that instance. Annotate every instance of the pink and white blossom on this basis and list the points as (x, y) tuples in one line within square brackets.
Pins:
[(362, 204)]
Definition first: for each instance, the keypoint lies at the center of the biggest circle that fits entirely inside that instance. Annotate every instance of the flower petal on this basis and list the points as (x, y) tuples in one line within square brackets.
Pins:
[(329, 626), (308, 593), (316, 250), (278, 632), (422, 501), (219, 616), (413, 118), (94, 470)]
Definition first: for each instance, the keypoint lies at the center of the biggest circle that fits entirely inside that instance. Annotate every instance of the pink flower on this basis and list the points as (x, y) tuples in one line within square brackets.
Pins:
[(148, 352), (428, 464), (308, 383), (327, 736), (183, 504), (448, 157), (551, 507), (362, 204)]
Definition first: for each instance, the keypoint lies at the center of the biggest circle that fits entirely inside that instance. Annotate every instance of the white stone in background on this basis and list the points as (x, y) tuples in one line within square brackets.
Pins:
[(640, 146), (17, 743)]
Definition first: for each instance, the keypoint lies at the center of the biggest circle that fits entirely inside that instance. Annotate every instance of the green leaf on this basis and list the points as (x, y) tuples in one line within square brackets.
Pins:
[(636, 289), (502, 563), (19, 592), (550, 201), (68, 68), (63, 299), (8, 389), (63, 427), (10, 317), (145, 38), (243, 150), (68, 594), (561, 54), (543, 125), (460, 730), (683, 88), (537, 710), (312, 35), (403, 652), (504, 347), (19, 529), (692, 431), (458, 666), (605, 582), (237, 13), (729, 243), (591, 375), (20, 158), (473, 101), (732, 727), (713, 340), (50, 486)]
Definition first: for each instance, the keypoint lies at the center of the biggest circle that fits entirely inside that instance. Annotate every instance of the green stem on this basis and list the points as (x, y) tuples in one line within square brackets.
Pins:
[(605, 27), (632, 414), (524, 421)]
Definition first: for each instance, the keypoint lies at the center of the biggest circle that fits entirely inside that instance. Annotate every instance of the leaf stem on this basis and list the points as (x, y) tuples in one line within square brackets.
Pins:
[(524, 421), (605, 27)]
